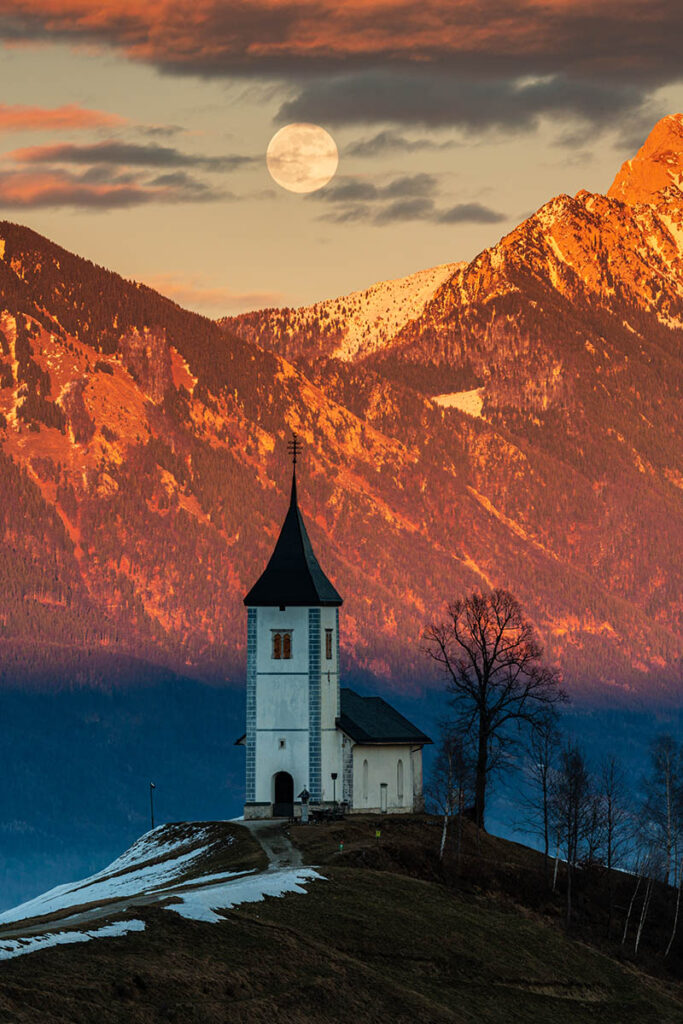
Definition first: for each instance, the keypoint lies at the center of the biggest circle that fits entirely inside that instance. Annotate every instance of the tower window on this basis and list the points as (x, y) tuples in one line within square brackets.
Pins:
[(282, 644), (328, 644)]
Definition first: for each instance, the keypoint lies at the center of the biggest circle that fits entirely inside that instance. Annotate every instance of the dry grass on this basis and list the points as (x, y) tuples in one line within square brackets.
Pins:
[(369, 944)]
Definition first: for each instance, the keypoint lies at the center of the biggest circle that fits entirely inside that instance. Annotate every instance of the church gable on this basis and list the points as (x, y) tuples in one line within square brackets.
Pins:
[(369, 720)]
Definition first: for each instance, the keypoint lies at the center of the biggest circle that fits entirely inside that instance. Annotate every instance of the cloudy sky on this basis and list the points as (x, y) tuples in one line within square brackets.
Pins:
[(134, 133)]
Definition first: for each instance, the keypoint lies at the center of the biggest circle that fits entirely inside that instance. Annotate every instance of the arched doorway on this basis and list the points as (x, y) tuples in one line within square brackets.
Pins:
[(283, 805)]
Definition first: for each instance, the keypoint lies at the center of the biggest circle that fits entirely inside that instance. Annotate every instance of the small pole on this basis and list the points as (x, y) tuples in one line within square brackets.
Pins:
[(334, 788), (152, 787)]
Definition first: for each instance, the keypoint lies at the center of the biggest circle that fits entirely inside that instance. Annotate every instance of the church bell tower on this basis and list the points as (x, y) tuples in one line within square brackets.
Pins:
[(292, 741)]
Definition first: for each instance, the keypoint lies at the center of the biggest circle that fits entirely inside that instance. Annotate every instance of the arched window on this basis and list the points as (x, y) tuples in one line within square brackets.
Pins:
[(365, 779), (282, 644), (399, 781)]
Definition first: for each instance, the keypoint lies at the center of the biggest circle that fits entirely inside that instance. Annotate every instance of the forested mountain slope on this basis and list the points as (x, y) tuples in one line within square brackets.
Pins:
[(144, 466)]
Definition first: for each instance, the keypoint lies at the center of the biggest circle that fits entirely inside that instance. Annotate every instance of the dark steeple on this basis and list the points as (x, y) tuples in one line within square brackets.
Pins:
[(293, 575)]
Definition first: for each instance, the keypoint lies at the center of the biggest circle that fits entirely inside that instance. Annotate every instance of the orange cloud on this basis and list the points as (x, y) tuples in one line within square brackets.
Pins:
[(212, 301), (54, 187), (224, 36), (19, 118)]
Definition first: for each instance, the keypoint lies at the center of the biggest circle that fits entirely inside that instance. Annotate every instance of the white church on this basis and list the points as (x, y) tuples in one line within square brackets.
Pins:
[(305, 731)]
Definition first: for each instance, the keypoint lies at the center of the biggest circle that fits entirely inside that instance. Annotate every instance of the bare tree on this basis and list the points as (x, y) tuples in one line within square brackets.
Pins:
[(492, 657), (662, 805), (617, 821), (678, 869), (543, 751), (451, 783), (573, 809), (653, 869), (677, 912)]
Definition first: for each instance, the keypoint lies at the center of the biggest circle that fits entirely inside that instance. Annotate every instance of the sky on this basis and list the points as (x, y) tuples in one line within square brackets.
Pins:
[(135, 133)]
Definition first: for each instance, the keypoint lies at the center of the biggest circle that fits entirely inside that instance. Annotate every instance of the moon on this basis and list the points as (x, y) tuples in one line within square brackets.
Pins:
[(302, 157)]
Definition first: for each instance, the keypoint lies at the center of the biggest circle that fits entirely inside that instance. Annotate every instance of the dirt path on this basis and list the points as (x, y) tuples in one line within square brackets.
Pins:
[(278, 847)]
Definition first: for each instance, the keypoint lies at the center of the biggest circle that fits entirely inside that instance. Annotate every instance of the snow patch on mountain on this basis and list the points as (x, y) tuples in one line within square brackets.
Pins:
[(381, 311), (471, 402)]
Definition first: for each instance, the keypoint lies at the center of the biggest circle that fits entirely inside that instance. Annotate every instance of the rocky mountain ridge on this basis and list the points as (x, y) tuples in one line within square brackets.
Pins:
[(148, 445)]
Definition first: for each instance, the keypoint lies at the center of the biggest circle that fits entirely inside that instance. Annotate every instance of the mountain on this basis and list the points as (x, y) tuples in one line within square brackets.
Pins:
[(512, 421)]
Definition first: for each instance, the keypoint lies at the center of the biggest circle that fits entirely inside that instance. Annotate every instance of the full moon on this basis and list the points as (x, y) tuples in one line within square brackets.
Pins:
[(302, 157)]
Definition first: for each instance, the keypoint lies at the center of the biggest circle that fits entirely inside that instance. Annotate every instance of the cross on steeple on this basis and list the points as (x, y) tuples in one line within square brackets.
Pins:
[(294, 447)]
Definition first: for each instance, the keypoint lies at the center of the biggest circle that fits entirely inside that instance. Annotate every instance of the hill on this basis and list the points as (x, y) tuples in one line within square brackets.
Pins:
[(379, 936), (514, 421)]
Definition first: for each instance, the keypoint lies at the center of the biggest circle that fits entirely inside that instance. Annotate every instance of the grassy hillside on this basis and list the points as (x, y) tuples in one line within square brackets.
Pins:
[(387, 936)]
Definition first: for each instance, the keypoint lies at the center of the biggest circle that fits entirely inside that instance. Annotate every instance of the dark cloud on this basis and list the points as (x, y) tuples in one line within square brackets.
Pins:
[(436, 62), (389, 141), (618, 39), (127, 154), (411, 197), (432, 99), (410, 185), (406, 209), (470, 213), (347, 190)]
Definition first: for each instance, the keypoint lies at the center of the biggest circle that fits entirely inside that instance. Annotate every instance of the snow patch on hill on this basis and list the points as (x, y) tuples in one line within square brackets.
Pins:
[(201, 904), (34, 943), (153, 862), (163, 868)]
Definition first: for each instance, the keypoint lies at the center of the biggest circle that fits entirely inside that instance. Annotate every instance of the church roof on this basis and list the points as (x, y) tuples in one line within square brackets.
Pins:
[(293, 575), (372, 720)]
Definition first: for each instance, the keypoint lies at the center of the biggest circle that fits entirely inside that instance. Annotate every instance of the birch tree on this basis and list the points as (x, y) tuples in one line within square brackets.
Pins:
[(451, 783), (573, 809), (617, 825), (543, 752)]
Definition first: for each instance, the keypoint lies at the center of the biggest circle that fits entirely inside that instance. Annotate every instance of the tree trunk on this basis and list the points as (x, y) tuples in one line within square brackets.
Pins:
[(480, 782), (557, 862), (569, 895), (678, 907), (546, 833), (630, 908), (610, 881), (443, 834), (461, 811), (643, 913)]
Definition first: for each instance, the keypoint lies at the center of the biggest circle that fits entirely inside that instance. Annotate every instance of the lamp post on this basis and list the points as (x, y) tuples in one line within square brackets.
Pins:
[(152, 787), (334, 788)]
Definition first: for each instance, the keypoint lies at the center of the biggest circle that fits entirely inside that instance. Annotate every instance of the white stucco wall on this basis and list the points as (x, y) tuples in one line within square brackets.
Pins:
[(283, 719), (331, 753), (281, 702), (382, 766)]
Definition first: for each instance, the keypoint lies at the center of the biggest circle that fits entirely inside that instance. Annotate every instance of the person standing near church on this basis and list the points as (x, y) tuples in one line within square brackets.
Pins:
[(304, 796)]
